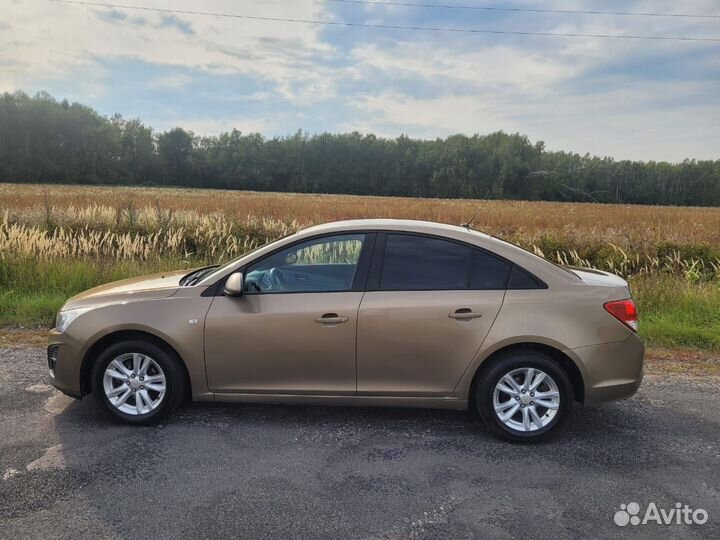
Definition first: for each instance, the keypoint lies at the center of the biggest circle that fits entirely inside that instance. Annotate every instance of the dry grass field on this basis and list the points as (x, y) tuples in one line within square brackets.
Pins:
[(621, 224), (58, 240)]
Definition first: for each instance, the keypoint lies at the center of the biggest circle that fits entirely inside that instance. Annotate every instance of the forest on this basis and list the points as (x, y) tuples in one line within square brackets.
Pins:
[(44, 140)]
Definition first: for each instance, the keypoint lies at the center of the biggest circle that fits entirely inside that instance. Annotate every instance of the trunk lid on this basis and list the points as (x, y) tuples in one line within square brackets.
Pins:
[(597, 277)]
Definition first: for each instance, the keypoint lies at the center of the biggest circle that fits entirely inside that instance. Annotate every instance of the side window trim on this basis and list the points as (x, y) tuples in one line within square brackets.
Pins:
[(469, 269), (363, 266), (378, 261), (372, 259)]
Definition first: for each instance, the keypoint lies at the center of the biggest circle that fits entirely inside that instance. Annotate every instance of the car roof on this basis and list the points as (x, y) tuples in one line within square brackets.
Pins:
[(537, 265), (416, 225), (525, 258)]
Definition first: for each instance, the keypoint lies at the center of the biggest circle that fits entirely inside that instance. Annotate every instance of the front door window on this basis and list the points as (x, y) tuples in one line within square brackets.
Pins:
[(326, 264)]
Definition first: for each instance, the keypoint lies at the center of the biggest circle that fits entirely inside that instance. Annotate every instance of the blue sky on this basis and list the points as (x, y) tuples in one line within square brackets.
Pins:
[(645, 100)]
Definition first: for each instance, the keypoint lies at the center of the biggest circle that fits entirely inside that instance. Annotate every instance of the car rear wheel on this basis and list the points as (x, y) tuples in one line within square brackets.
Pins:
[(523, 397), (138, 382)]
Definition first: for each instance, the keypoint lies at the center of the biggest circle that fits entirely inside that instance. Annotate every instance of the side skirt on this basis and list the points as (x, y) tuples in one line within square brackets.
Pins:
[(353, 401)]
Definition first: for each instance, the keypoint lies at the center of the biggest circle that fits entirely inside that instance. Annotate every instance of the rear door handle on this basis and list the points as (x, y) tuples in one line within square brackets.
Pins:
[(465, 314), (331, 318)]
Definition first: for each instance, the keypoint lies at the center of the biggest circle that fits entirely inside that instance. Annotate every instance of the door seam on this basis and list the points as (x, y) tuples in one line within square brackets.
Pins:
[(472, 360), (204, 353), (357, 325)]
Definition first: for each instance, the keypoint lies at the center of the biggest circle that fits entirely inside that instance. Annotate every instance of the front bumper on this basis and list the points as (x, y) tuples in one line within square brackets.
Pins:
[(64, 363), (611, 371)]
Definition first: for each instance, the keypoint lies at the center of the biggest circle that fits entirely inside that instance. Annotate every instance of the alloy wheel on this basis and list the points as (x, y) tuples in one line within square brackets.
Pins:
[(134, 383), (526, 399)]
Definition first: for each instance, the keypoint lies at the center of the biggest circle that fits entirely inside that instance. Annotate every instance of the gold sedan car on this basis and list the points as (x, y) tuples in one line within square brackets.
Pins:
[(365, 312)]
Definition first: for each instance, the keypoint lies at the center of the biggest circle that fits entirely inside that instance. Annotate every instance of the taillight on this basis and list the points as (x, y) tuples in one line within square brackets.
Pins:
[(624, 311)]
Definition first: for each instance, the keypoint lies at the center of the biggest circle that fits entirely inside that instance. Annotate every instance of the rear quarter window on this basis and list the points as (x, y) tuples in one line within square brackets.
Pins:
[(488, 272), (523, 280)]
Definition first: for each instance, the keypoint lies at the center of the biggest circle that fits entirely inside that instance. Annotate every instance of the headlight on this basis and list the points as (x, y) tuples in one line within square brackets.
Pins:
[(65, 318)]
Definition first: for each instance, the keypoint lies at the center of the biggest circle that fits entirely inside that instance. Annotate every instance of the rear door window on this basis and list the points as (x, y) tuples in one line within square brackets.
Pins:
[(418, 263)]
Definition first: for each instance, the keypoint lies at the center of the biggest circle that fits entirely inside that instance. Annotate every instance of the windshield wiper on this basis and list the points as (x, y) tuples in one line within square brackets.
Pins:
[(194, 277)]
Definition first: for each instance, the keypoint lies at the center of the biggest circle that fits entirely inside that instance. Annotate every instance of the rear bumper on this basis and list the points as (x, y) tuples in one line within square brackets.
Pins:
[(611, 371), (65, 357)]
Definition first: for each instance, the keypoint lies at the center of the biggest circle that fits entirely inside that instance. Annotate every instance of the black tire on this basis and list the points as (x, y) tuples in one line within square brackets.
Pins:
[(521, 359), (168, 362)]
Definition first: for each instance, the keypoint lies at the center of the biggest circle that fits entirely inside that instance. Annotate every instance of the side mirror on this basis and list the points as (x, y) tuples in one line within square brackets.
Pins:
[(234, 285)]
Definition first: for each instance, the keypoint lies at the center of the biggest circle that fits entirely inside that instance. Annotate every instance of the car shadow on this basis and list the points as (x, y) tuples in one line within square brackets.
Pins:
[(620, 429), (347, 452)]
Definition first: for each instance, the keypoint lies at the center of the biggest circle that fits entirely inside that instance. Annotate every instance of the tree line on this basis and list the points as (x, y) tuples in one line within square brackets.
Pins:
[(51, 141)]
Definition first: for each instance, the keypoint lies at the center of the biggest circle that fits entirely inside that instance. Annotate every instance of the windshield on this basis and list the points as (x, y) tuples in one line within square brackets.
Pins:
[(219, 270)]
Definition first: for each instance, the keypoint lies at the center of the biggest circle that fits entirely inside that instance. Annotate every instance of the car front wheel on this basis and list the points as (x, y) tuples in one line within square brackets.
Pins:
[(524, 397), (137, 382)]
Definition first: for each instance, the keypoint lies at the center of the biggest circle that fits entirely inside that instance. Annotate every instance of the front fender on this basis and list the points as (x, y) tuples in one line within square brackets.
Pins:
[(177, 321)]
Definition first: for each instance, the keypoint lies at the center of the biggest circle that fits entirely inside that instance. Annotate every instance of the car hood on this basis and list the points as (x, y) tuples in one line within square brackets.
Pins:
[(597, 277), (160, 285)]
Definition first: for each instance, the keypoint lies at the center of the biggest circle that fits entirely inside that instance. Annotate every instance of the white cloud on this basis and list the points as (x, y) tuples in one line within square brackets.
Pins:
[(50, 41), (575, 94), (616, 123), (494, 65), (584, 95), (170, 81)]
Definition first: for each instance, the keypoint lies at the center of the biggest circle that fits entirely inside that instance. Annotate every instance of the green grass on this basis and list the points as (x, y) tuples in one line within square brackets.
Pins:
[(29, 309), (674, 312), (31, 290)]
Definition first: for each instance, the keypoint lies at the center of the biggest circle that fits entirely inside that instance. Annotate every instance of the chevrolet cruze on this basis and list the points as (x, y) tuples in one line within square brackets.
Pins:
[(366, 312)]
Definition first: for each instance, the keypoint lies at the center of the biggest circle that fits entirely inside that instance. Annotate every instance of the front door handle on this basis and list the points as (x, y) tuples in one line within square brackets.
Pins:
[(331, 318), (465, 314)]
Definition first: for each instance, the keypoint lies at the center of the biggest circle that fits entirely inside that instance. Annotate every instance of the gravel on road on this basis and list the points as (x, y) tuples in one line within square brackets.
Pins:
[(269, 471)]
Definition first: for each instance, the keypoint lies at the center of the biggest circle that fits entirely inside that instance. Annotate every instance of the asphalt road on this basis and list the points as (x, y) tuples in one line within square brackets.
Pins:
[(251, 471)]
